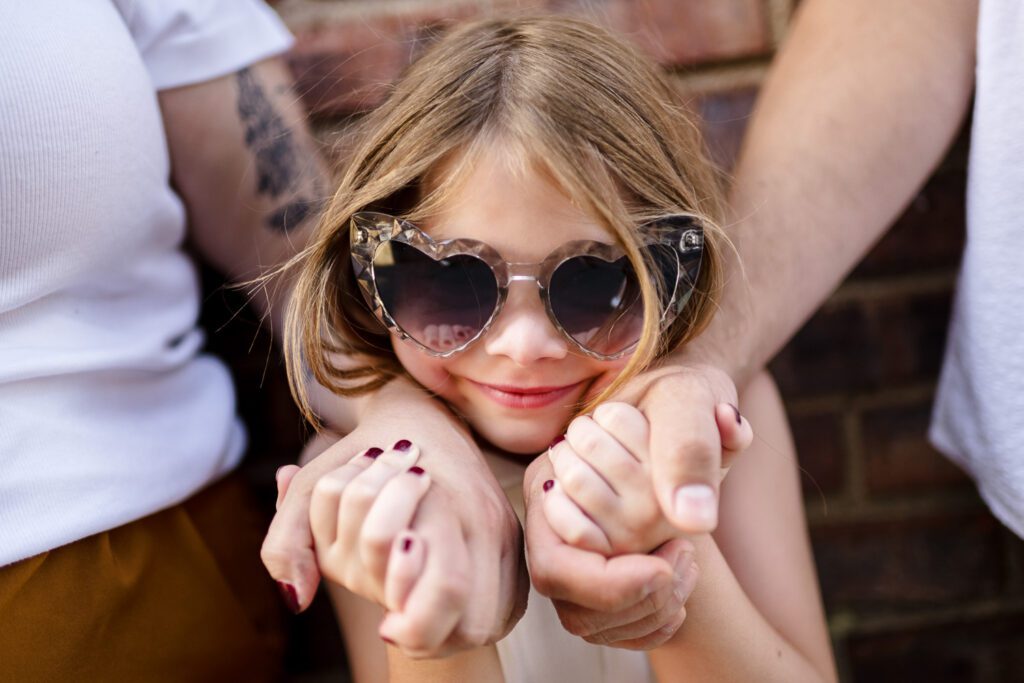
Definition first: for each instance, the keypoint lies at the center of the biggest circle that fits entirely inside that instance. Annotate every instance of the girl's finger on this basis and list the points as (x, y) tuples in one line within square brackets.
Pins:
[(283, 477), (663, 614), (326, 497), (585, 486), (437, 600), (605, 454), (569, 522), (656, 638), (391, 512), (408, 556), (627, 425), (361, 492)]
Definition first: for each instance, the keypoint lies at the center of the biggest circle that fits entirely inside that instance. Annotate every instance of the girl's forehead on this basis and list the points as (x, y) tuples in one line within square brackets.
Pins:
[(515, 207)]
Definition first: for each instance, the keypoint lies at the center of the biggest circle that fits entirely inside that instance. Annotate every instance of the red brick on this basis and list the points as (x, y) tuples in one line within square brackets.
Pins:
[(900, 563), (678, 32), (859, 346), (928, 236), (980, 650), (821, 452), (346, 63), (898, 457)]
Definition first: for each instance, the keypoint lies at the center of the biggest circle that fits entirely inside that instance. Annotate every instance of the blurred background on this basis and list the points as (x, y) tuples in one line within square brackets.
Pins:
[(920, 582)]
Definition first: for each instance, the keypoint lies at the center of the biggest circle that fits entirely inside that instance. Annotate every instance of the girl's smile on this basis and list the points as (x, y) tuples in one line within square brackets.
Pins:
[(526, 398)]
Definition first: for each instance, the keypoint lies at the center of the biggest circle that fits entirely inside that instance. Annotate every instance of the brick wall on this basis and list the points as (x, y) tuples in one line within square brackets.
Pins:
[(920, 582)]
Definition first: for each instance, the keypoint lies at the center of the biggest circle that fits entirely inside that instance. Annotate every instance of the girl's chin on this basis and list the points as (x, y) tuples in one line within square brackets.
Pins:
[(515, 439)]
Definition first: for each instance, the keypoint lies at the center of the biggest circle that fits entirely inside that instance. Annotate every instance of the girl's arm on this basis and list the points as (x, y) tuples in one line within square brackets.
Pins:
[(370, 660), (756, 613)]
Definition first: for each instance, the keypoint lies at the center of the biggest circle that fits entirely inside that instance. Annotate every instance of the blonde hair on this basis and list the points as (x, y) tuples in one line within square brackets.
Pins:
[(588, 110)]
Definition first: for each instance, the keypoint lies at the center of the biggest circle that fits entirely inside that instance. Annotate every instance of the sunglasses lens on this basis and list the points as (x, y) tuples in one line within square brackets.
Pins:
[(599, 303), (442, 304)]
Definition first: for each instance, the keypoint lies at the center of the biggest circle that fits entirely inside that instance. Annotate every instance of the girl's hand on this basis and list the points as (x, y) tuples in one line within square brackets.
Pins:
[(602, 497), (629, 601), (357, 513), (471, 541)]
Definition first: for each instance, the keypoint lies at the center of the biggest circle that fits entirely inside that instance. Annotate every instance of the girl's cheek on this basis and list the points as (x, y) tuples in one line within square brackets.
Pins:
[(607, 372), (429, 371)]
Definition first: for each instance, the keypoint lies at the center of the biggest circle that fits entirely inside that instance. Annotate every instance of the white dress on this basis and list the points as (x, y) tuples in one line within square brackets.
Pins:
[(538, 649)]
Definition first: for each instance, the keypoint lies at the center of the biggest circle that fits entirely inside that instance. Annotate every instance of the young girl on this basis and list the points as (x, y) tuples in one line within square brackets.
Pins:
[(527, 223)]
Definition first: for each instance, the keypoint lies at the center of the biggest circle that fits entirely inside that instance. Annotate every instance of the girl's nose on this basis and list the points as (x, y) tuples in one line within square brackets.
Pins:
[(522, 331)]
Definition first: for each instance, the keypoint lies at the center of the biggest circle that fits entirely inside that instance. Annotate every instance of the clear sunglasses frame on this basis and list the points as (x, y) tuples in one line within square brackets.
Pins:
[(369, 230)]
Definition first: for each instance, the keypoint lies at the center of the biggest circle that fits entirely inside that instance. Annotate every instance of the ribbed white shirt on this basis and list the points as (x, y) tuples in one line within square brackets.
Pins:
[(108, 412)]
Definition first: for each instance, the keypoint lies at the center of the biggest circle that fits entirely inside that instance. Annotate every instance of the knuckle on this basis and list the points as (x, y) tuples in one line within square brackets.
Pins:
[(587, 438), (272, 556), (573, 479), (600, 638), (359, 492), (572, 623), (326, 486), (473, 638), (616, 415), (453, 589), (576, 536), (374, 544)]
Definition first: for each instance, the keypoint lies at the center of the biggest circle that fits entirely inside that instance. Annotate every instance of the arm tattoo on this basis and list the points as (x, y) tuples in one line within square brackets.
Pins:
[(279, 167), (293, 214)]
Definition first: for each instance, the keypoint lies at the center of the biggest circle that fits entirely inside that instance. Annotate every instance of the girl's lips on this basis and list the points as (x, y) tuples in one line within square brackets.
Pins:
[(525, 397)]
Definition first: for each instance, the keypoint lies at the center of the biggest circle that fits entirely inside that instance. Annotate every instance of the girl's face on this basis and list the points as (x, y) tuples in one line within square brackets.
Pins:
[(519, 384)]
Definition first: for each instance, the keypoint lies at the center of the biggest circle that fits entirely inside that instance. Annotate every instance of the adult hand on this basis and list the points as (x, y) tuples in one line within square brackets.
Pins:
[(631, 601), (474, 539), (685, 405)]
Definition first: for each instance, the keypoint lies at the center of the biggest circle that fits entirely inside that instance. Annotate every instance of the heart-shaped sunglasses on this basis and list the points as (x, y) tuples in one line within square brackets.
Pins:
[(443, 296)]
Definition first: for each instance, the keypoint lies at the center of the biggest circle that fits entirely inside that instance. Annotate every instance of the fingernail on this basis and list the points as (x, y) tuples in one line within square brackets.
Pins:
[(277, 472), (402, 445), (291, 597), (387, 640), (739, 418), (548, 484), (695, 505), (558, 439), (416, 469), (406, 544), (372, 453)]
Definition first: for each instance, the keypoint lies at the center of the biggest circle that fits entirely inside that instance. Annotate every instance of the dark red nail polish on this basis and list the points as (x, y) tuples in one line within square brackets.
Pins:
[(548, 484), (558, 439), (406, 545), (416, 469), (372, 453), (291, 598), (739, 419), (402, 445)]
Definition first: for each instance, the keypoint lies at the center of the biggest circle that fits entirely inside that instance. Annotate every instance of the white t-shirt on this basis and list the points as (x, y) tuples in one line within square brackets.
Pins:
[(978, 419), (107, 410)]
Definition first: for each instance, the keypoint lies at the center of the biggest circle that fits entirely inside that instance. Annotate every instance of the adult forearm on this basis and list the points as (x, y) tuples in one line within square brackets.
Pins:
[(861, 103)]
